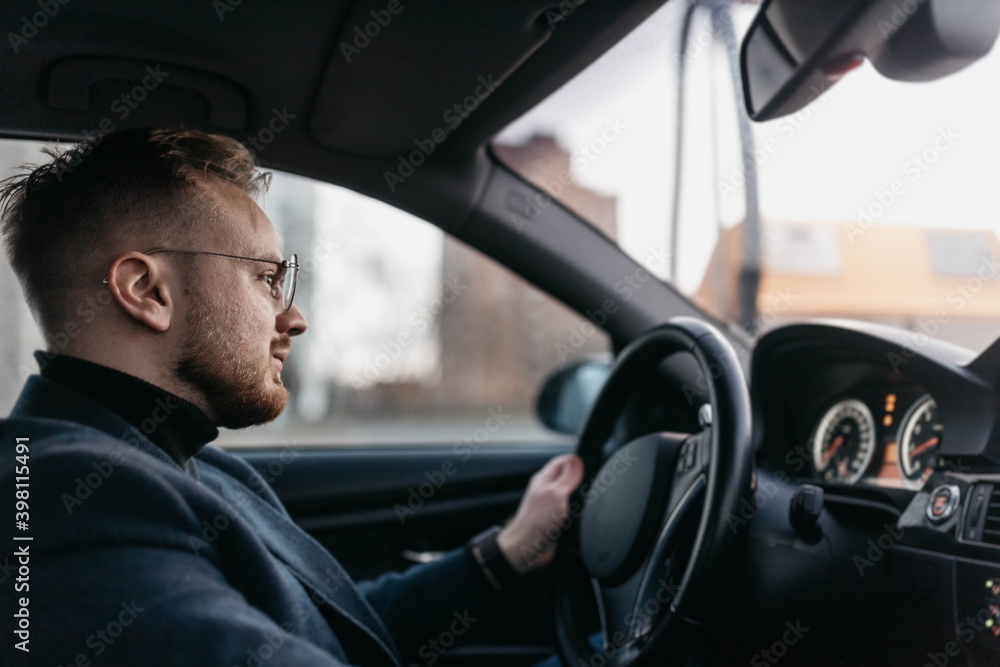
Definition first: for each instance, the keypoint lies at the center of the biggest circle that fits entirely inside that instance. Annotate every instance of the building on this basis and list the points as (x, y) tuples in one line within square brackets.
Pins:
[(941, 282), (505, 331)]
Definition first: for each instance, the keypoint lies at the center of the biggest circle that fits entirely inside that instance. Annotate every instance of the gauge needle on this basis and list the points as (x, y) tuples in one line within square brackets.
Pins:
[(919, 449), (834, 446)]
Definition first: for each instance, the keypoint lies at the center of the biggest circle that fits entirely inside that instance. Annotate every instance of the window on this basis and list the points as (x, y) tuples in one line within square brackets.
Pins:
[(413, 337)]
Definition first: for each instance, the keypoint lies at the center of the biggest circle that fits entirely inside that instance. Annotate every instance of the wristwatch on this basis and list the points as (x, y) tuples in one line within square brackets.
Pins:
[(492, 561)]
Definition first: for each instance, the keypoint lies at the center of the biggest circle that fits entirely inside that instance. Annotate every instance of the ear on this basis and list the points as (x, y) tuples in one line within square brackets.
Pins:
[(140, 286)]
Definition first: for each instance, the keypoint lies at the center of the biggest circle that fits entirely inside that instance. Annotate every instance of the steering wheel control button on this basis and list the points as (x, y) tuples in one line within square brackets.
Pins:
[(687, 458), (943, 502), (705, 415)]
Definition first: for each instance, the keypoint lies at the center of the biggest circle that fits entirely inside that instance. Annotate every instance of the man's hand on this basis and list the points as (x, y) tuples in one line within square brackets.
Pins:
[(529, 540)]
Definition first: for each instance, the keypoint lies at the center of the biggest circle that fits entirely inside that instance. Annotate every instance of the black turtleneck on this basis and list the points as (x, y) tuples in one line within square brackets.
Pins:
[(176, 426)]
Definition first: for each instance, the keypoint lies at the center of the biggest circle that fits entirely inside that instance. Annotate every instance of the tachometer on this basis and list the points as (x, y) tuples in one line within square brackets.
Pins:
[(844, 442), (919, 440)]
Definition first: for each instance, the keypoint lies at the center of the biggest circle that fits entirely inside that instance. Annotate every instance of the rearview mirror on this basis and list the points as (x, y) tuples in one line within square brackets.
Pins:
[(567, 395), (796, 49)]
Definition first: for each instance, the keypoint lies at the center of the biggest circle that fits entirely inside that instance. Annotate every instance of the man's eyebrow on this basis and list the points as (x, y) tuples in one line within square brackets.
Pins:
[(267, 255)]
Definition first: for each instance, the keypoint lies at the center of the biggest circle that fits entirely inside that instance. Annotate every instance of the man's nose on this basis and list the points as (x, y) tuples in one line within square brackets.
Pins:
[(291, 321)]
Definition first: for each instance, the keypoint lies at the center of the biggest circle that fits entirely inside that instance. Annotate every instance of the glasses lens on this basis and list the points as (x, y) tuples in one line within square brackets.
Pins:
[(288, 282)]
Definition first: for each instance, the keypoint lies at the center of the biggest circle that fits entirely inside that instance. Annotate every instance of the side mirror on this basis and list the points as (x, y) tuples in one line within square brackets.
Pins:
[(795, 50), (567, 395)]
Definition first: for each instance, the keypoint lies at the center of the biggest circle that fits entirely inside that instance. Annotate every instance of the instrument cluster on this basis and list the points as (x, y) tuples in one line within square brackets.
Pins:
[(848, 403), (887, 438)]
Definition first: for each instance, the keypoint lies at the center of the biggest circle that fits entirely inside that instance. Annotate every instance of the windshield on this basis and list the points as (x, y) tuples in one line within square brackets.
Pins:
[(877, 202)]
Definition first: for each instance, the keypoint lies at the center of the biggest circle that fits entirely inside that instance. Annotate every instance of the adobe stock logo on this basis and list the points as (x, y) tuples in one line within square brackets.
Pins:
[(779, 649), (453, 117), (29, 28), (280, 119), (901, 13), (372, 29)]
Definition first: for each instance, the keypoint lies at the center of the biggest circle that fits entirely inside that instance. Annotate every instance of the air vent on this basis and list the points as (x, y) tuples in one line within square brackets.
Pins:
[(991, 527)]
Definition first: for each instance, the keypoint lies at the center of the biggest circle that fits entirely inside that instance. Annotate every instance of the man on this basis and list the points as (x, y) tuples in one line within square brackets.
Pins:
[(147, 255)]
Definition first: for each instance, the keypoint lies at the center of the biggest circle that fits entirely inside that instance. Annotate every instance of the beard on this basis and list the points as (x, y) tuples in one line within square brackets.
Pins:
[(240, 389)]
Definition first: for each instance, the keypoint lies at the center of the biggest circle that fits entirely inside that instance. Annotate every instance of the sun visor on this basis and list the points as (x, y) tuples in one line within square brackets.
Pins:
[(404, 71)]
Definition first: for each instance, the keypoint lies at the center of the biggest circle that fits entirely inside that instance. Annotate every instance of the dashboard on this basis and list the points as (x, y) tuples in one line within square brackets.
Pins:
[(849, 404), (890, 446)]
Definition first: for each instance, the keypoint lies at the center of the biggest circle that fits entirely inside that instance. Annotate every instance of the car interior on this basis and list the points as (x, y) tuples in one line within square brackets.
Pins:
[(813, 402)]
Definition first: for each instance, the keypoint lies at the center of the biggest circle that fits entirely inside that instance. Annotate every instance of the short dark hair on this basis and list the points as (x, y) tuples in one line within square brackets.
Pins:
[(65, 221)]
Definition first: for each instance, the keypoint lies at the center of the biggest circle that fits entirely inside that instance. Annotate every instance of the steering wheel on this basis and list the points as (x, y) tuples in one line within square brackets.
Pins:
[(652, 524)]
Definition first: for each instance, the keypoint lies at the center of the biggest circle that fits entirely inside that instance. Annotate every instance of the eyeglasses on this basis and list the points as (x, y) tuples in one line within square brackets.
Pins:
[(282, 282)]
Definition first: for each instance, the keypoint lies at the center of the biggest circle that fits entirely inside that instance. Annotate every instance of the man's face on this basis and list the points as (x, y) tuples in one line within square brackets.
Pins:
[(236, 334)]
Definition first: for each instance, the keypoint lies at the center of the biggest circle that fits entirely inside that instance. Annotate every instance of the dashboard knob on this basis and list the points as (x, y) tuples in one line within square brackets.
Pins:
[(943, 502)]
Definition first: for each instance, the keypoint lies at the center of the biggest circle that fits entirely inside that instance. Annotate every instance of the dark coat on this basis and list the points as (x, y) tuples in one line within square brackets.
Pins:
[(135, 562)]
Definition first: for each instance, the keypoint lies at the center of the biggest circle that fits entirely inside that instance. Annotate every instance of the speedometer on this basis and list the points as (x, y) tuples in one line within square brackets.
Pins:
[(919, 440), (844, 442)]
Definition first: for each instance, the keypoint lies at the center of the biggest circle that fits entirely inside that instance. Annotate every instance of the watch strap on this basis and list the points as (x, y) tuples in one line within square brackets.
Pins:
[(492, 561)]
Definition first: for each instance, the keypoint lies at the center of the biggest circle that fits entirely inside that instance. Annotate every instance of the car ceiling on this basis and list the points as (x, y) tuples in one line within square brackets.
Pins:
[(231, 65)]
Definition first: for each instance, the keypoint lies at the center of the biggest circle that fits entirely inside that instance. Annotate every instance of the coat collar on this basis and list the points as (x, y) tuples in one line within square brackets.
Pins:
[(45, 399), (177, 426)]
